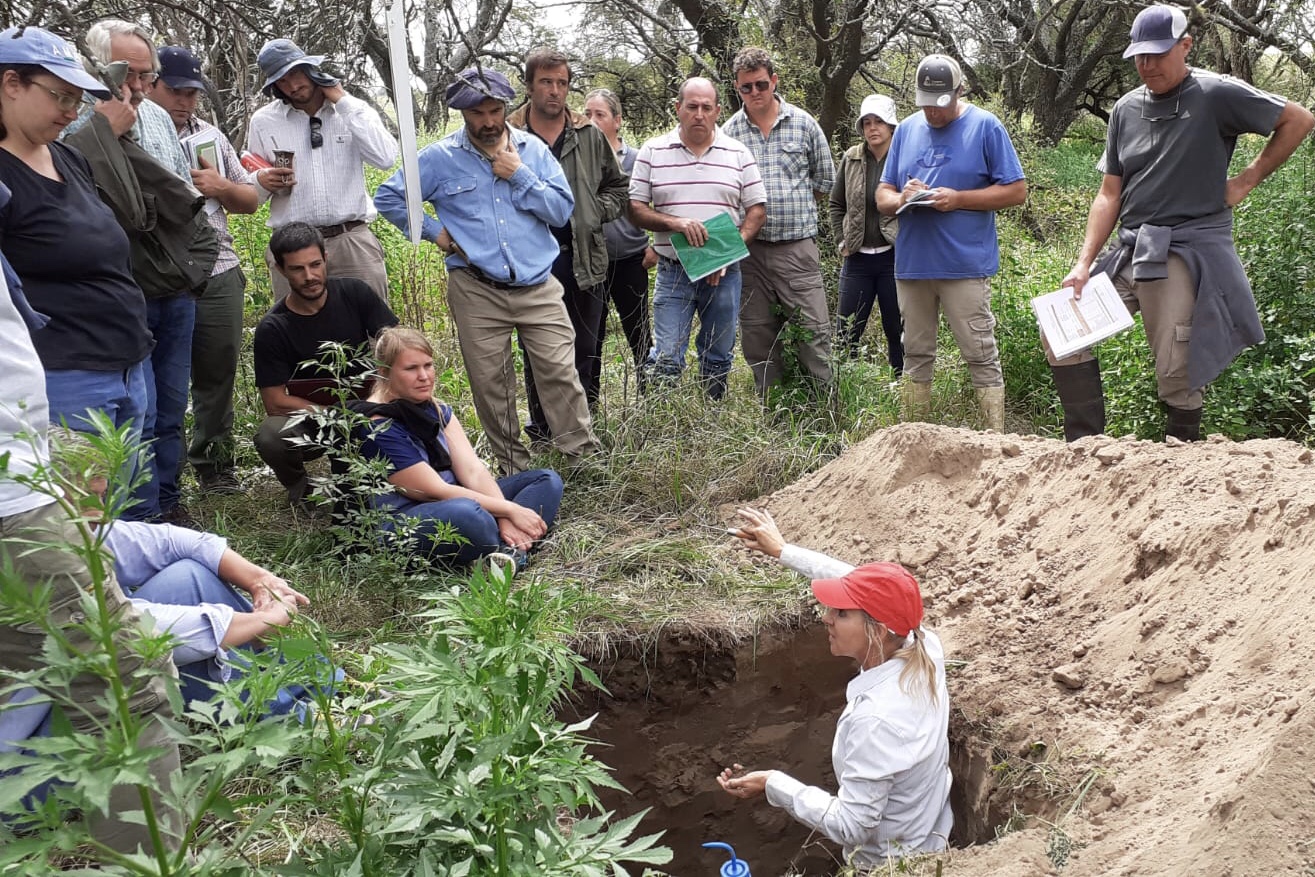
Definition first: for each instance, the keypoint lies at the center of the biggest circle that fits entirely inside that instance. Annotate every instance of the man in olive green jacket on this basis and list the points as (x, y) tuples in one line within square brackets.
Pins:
[(601, 192)]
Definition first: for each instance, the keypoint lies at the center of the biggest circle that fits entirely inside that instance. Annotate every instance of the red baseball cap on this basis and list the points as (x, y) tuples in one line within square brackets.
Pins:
[(886, 591)]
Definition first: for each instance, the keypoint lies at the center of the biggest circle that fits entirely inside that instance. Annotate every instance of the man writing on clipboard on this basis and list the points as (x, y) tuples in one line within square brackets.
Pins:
[(1166, 183)]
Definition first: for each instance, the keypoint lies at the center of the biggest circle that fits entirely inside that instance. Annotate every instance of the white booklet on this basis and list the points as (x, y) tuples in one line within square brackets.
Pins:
[(917, 199), (1070, 324)]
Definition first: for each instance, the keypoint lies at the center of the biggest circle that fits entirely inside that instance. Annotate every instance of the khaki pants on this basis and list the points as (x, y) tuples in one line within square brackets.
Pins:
[(36, 547), (485, 317), (1166, 310), (354, 253), (783, 284), (967, 306), (284, 450)]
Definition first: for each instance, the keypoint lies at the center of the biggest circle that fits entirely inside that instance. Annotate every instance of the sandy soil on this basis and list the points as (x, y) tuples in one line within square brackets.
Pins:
[(1144, 611)]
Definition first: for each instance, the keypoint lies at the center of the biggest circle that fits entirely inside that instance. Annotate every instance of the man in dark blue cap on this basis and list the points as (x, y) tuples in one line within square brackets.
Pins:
[(325, 135), (217, 335), (499, 193), (1166, 184)]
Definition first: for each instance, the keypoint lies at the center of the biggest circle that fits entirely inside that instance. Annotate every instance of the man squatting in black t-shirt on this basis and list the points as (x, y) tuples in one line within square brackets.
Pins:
[(318, 309)]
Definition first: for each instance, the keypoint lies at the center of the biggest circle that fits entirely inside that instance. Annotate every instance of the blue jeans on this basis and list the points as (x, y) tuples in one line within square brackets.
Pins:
[(188, 583), (867, 279), (121, 395), (168, 377), (537, 489), (675, 302)]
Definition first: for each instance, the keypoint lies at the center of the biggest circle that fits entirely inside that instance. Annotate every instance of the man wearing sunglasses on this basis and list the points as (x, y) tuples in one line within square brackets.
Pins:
[(329, 135), (217, 334), (782, 276), (1166, 184)]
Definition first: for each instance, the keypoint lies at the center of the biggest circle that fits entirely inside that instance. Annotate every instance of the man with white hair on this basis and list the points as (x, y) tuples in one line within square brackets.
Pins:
[(1165, 182), (170, 314)]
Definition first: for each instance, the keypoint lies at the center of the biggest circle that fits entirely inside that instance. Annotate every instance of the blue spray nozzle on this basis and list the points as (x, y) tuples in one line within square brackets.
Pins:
[(735, 867)]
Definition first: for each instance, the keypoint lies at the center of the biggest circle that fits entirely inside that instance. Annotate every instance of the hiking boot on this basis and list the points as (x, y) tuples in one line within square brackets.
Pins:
[(915, 400), (991, 401), (222, 481), (179, 516)]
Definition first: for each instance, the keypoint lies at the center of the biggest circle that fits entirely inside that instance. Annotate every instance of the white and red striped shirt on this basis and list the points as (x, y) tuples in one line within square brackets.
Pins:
[(675, 181)]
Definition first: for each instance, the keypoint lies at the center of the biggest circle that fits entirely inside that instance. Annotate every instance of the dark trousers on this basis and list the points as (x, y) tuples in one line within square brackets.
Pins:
[(216, 344), (867, 279), (627, 287), (584, 307)]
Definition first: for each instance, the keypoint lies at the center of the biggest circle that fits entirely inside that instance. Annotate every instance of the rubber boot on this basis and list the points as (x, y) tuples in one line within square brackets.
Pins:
[(991, 400), (1183, 424), (1082, 396), (915, 400)]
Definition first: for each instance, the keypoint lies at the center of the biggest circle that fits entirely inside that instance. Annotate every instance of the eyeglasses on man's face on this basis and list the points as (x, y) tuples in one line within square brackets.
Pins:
[(146, 79), (756, 85), (316, 135)]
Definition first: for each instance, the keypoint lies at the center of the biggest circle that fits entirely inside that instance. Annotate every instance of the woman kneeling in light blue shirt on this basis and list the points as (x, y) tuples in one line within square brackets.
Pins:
[(891, 750)]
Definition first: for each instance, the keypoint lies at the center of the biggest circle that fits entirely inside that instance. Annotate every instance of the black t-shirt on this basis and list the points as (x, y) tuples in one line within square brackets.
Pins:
[(352, 315), (74, 261), (561, 232)]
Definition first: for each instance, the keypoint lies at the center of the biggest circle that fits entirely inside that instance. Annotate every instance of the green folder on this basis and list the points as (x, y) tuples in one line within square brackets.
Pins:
[(724, 247)]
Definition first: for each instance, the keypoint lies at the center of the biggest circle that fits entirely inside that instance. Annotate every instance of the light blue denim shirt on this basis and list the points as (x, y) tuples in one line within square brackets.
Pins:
[(504, 227)]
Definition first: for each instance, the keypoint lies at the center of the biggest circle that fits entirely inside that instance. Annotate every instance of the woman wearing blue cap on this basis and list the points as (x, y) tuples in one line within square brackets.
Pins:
[(891, 750), (63, 241)]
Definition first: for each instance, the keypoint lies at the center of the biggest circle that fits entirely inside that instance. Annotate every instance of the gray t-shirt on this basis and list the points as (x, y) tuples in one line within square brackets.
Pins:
[(1173, 151)]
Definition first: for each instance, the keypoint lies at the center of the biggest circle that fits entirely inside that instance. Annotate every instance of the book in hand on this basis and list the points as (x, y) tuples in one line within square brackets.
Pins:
[(920, 198), (205, 146), (724, 247), (1070, 324)]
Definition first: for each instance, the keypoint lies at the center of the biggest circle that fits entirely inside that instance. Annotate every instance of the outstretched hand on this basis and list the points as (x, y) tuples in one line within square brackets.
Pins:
[(743, 785), (759, 532)]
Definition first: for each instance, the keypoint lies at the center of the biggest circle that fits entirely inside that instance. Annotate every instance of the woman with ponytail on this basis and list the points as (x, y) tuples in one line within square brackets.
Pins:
[(891, 750)]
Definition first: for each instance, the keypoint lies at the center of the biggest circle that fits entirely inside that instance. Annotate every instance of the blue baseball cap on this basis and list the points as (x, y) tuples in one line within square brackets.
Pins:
[(34, 45), (179, 68), (278, 57), (1156, 30)]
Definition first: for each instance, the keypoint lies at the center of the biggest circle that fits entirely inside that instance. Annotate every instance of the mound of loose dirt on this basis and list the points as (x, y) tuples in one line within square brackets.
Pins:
[(1136, 620)]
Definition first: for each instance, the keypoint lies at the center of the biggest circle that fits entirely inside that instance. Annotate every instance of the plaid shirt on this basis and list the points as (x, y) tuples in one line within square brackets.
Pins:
[(796, 166), (234, 171)]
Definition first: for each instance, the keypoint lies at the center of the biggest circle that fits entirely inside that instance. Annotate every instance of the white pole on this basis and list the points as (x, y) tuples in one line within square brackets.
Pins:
[(406, 123)]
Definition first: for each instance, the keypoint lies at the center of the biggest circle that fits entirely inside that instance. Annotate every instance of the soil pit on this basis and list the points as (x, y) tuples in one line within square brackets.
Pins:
[(685, 707), (1133, 626)]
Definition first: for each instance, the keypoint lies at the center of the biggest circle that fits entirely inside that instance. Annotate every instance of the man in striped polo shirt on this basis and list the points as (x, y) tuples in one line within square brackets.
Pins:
[(681, 178), (782, 276)]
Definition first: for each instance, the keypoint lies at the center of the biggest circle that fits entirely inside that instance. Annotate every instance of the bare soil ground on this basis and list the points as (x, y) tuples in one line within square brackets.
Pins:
[(1136, 626)]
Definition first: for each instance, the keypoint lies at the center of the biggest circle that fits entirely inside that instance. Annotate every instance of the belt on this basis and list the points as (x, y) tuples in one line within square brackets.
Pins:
[(779, 243), (332, 231), (489, 281)]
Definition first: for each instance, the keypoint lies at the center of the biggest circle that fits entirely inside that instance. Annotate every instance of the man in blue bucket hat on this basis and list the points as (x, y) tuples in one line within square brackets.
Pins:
[(318, 137)]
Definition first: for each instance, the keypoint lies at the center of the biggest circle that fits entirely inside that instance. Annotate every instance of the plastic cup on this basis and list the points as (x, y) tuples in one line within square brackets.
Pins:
[(283, 158)]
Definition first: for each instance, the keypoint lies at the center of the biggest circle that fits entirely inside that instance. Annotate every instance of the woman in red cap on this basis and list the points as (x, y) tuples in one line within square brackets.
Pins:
[(891, 750)]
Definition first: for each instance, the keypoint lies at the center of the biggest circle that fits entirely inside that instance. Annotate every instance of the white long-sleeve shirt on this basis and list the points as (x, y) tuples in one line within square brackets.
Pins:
[(890, 755)]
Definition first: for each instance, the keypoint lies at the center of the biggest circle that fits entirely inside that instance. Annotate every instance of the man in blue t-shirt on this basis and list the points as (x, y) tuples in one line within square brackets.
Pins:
[(1166, 183), (946, 174)]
